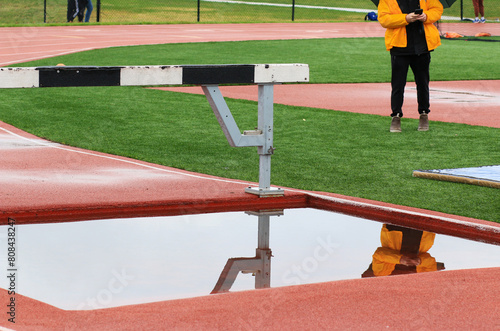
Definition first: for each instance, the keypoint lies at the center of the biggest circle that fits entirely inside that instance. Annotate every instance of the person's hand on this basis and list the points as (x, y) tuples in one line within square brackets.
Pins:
[(409, 261), (412, 17), (422, 17)]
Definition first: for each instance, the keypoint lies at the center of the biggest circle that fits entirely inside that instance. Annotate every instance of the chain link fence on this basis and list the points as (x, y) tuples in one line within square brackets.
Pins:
[(187, 11), (212, 11)]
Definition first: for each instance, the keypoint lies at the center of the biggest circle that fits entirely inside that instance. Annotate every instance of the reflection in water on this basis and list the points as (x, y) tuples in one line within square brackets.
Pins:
[(403, 251), (81, 265), (259, 266)]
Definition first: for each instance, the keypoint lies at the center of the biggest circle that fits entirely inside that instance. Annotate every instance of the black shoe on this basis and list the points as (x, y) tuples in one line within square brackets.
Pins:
[(423, 123), (396, 124)]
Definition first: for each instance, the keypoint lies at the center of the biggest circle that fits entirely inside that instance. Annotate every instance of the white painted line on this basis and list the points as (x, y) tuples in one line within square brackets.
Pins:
[(44, 57), (355, 10), (345, 9), (90, 153)]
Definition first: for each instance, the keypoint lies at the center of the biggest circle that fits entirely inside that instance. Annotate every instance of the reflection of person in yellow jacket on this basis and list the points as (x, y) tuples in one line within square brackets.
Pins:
[(410, 37), (403, 251)]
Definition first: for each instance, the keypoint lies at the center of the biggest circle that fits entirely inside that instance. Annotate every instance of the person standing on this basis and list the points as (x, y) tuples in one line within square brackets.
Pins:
[(72, 10), (88, 12), (81, 9), (410, 37), (478, 10)]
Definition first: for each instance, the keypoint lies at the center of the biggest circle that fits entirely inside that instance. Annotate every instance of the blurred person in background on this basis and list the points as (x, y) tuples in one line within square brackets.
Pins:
[(478, 10), (89, 10), (72, 10)]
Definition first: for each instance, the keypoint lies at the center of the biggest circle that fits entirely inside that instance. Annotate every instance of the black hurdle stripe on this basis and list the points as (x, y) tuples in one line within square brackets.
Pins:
[(218, 74), (110, 76), (78, 76)]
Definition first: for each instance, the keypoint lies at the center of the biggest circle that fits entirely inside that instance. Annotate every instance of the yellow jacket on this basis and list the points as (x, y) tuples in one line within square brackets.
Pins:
[(391, 18)]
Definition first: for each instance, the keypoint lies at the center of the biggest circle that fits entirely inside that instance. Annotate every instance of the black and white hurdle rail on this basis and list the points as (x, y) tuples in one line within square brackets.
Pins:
[(208, 76)]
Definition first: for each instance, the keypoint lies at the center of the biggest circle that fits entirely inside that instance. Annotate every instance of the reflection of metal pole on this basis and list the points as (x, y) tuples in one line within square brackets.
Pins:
[(263, 237), (263, 252), (259, 266)]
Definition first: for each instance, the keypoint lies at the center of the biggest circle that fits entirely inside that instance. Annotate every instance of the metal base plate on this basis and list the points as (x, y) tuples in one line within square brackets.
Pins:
[(270, 192)]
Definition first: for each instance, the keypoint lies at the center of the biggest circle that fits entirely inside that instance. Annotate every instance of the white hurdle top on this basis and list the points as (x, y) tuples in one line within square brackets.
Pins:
[(62, 76)]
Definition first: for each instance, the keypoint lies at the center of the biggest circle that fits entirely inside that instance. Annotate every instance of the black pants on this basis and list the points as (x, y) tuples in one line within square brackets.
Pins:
[(72, 10), (82, 4), (419, 64)]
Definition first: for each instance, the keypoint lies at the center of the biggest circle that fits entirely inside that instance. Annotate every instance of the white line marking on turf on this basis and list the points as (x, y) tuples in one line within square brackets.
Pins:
[(46, 56)]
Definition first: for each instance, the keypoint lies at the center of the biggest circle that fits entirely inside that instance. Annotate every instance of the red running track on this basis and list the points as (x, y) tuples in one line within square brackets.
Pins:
[(31, 43), (468, 102), (448, 300)]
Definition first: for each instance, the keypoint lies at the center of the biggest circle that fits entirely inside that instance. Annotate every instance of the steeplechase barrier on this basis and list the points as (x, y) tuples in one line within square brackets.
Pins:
[(209, 77)]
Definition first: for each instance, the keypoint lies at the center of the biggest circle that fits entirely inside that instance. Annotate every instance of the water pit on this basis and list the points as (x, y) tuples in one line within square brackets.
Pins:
[(107, 263)]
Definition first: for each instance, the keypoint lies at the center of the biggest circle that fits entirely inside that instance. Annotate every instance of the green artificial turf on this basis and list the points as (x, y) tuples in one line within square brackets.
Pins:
[(23, 12), (322, 150)]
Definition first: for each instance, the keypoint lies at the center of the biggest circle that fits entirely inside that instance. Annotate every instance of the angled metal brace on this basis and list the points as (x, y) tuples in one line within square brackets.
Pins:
[(227, 122), (261, 138)]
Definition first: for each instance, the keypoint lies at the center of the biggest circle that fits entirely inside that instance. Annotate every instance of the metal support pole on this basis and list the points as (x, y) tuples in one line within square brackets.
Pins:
[(45, 11), (461, 10), (98, 15), (198, 10), (265, 125)]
